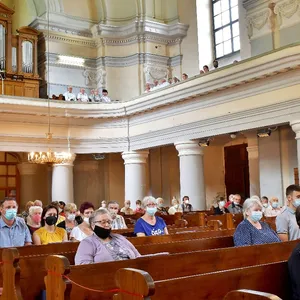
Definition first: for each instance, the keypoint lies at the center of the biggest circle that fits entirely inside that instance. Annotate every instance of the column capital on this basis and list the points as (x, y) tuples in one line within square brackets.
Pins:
[(69, 163), (252, 152), (135, 157), (188, 148), (296, 128), (27, 168)]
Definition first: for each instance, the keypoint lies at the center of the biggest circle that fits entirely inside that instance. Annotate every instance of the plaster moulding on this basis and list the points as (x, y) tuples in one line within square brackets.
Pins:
[(258, 20), (287, 9)]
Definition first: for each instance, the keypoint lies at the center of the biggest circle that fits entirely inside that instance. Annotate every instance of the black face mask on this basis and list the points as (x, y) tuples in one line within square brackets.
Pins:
[(51, 220), (102, 233)]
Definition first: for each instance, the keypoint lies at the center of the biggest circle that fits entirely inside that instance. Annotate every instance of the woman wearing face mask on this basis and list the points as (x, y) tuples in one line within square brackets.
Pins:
[(139, 209), (252, 231), (220, 209), (175, 207), (72, 218), (83, 230), (273, 209), (149, 224), (49, 232), (102, 245), (34, 218)]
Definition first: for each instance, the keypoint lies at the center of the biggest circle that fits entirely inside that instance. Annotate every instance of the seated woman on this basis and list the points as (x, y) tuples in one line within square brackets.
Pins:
[(83, 230), (149, 224), (72, 219), (139, 209), (176, 207), (49, 232), (294, 265), (220, 209), (251, 231), (273, 210), (102, 245), (25, 213), (34, 218)]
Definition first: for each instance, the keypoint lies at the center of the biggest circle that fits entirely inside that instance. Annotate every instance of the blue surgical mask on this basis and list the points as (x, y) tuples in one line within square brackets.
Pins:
[(10, 214), (296, 202), (275, 204), (256, 216), (151, 210)]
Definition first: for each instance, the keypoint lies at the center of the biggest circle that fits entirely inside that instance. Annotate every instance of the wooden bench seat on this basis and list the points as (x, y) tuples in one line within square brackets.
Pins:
[(163, 268)]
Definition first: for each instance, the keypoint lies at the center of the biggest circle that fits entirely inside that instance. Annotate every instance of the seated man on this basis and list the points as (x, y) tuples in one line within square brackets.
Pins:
[(82, 96), (69, 96), (13, 230), (126, 209), (286, 225), (235, 207), (186, 206), (118, 221), (105, 97)]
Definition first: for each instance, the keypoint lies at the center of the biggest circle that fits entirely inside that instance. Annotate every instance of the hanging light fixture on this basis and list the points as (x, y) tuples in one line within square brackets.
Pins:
[(50, 157)]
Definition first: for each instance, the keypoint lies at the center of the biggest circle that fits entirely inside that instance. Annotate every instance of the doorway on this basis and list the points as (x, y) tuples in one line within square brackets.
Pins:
[(237, 170)]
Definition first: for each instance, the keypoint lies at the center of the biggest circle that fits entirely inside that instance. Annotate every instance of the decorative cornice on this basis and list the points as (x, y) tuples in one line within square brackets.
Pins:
[(135, 157), (286, 9)]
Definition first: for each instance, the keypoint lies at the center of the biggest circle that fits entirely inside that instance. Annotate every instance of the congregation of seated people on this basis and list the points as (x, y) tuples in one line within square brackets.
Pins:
[(59, 222)]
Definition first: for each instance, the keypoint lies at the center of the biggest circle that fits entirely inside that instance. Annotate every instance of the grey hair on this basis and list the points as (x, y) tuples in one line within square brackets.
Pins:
[(159, 199), (100, 211), (250, 202), (32, 209), (112, 202), (148, 199)]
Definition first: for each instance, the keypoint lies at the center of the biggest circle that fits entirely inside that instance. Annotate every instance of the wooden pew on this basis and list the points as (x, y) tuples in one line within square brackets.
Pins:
[(32, 265), (167, 267), (250, 295), (270, 278)]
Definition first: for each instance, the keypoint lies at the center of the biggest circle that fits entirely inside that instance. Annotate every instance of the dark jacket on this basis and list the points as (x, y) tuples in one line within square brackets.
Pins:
[(294, 267), (187, 207)]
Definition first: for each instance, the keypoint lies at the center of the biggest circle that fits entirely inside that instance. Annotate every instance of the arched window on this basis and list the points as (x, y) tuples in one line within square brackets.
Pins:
[(9, 176), (27, 57), (226, 27)]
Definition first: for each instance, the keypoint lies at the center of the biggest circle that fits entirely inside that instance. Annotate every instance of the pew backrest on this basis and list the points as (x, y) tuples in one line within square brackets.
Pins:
[(250, 295)]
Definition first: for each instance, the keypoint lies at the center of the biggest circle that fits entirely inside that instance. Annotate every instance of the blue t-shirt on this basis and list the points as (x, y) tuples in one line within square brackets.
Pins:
[(247, 234), (141, 226)]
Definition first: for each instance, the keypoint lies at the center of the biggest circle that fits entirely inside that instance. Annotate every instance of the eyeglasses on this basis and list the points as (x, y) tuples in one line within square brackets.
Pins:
[(151, 205), (103, 222)]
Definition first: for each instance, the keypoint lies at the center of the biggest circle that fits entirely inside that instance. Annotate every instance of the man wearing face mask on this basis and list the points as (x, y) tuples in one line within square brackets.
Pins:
[(118, 221), (220, 209), (126, 209), (235, 207), (13, 230), (186, 206), (103, 245), (286, 225)]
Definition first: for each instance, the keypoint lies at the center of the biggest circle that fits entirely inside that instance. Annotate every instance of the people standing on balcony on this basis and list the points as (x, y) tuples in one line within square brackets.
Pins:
[(215, 64), (175, 79), (69, 96), (163, 83), (185, 76), (126, 209), (155, 85), (170, 80), (104, 97), (82, 96), (205, 69), (186, 206), (92, 96), (147, 88)]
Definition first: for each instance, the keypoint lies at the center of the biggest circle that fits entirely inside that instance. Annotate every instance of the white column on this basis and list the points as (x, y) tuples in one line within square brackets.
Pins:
[(135, 175), (192, 173), (62, 182), (253, 170), (296, 128)]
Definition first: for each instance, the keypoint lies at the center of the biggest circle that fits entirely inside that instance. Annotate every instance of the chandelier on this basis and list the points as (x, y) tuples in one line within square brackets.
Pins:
[(50, 157)]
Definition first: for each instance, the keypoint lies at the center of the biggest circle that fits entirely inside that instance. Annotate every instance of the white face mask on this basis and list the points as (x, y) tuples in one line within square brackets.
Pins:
[(176, 206), (86, 220), (71, 217), (186, 201), (265, 205), (221, 204)]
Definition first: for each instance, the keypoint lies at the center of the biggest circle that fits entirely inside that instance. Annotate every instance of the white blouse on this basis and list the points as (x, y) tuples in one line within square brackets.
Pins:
[(78, 234)]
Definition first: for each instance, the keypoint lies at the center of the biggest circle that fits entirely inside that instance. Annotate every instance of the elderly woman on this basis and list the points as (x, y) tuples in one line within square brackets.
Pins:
[(220, 209), (83, 230), (149, 224), (49, 232), (251, 231), (34, 218), (72, 219), (118, 221), (102, 245), (294, 264), (139, 209), (273, 210), (175, 207), (25, 213)]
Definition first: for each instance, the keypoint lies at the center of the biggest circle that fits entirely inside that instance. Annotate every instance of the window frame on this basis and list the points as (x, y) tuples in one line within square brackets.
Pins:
[(222, 27)]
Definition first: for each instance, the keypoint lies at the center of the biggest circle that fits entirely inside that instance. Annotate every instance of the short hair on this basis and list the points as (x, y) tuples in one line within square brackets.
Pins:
[(62, 203), (255, 197), (298, 216), (265, 197), (70, 206), (104, 91), (273, 199), (86, 205), (32, 209), (159, 199), (112, 202), (249, 203), (206, 66), (184, 74), (185, 197), (175, 201), (55, 203), (292, 188), (139, 202), (45, 209), (38, 203), (28, 205), (100, 211), (7, 199), (147, 200)]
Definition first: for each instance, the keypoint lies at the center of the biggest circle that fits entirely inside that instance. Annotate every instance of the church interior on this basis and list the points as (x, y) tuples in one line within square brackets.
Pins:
[(182, 101)]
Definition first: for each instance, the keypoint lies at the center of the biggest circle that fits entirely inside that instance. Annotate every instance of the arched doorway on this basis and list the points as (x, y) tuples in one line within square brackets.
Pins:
[(9, 176)]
